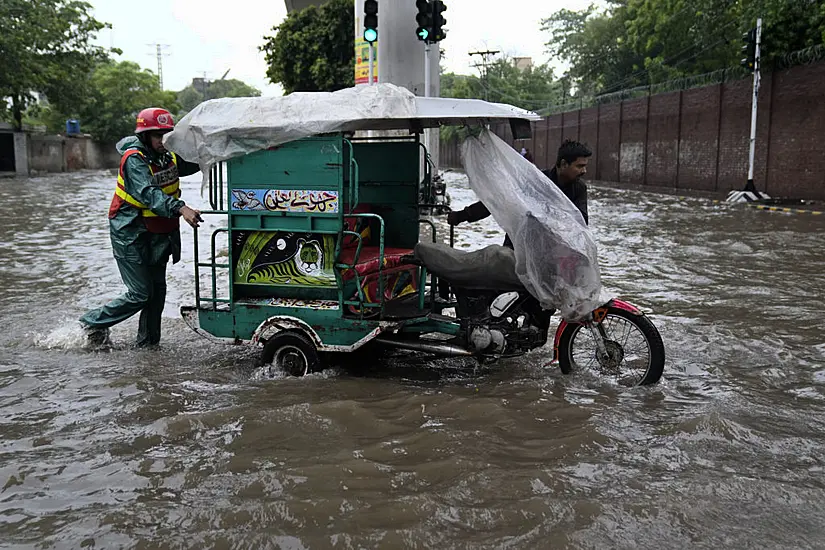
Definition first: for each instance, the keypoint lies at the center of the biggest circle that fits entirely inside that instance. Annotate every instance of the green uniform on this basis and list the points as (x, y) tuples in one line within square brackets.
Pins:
[(140, 254)]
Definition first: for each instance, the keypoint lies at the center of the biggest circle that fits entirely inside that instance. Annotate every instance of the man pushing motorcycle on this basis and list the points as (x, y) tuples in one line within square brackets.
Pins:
[(571, 165)]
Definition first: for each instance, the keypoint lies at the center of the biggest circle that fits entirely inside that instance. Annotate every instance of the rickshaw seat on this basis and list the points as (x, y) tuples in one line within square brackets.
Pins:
[(369, 258)]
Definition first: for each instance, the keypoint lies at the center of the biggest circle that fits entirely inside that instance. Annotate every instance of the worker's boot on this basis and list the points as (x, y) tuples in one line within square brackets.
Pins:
[(96, 338)]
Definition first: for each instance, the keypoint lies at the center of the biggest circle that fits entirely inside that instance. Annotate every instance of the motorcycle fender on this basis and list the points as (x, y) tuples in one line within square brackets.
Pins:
[(618, 304)]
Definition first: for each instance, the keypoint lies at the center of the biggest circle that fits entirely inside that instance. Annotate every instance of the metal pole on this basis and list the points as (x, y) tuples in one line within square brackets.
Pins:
[(426, 69), (427, 131), (757, 79), (372, 59)]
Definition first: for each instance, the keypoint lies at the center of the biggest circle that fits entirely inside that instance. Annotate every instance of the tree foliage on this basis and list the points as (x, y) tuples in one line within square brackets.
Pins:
[(595, 45), (115, 94), (640, 42), (118, 92), (531, 88), (46, 46), (189, 97), (313, 49)]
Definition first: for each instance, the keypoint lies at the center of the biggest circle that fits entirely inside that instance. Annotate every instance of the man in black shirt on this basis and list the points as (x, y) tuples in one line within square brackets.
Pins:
[(571, 165)]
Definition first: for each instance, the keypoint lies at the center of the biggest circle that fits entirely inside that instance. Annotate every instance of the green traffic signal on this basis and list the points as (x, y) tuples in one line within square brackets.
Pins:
[(370, 20), (423, 34)]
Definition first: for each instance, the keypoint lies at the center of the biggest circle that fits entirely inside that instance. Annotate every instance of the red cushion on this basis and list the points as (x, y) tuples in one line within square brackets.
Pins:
[(368, 259), (358, 225)]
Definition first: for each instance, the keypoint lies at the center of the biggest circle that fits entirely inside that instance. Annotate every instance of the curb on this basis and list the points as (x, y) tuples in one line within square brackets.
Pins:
[(784, 209)]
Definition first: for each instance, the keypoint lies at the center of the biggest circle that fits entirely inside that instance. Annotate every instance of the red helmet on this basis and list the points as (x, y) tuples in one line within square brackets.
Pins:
[(154, 118)]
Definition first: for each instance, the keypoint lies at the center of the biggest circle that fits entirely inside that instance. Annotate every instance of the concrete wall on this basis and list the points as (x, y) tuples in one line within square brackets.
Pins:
[(21, 153), (62, 154), (698, 139)]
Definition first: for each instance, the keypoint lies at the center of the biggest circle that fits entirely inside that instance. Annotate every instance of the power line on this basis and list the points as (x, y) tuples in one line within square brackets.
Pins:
[(485, 55)]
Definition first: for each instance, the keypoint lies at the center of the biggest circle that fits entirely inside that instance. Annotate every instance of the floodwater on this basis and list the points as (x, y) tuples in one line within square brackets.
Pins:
[(185, 447)]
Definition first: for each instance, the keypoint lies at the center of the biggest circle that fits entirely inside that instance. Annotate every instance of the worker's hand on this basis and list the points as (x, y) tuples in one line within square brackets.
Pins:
[(455, 218), (192, 216)]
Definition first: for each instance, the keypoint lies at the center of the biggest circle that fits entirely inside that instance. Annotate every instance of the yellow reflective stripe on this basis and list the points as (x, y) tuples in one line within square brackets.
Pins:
[(171, 188), (120, 192)]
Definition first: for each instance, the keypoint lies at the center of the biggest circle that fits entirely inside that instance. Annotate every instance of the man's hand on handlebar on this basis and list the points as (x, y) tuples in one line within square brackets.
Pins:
[(456, 217), (192, 216)]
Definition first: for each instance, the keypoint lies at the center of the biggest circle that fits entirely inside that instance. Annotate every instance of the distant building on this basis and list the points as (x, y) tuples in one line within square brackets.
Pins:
[(294, 5), (523, 63), (200, 84)]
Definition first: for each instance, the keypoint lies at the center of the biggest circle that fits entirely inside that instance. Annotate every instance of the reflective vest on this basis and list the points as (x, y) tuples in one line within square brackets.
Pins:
[(164, 177)]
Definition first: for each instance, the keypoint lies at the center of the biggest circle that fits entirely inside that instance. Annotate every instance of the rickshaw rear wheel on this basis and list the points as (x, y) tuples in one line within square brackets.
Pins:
[(291, 352)]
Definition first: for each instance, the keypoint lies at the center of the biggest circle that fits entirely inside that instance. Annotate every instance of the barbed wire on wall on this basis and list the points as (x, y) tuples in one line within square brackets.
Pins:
[(801, 57)]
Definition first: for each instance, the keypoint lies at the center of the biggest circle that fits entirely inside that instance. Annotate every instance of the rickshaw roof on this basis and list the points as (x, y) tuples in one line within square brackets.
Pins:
[(220, 129)]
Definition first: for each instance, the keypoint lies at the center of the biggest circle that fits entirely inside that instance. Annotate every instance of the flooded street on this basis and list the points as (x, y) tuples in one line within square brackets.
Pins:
[(182, 447)]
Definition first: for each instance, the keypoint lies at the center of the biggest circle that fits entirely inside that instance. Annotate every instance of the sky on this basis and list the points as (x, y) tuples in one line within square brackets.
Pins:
[(208, 37)]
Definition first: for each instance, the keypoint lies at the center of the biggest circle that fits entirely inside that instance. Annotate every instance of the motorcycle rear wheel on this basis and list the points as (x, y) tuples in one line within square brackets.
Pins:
[(635, 351)]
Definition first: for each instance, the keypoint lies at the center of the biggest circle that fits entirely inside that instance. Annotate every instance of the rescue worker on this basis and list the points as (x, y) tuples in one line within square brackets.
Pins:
[(571, 165), (144, 228)]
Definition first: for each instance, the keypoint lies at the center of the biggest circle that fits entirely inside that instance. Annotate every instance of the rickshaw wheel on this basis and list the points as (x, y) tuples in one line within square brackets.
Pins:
[(292, 352)]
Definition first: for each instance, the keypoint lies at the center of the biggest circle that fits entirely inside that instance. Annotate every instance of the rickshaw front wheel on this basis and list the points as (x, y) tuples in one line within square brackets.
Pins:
[(291, 352)]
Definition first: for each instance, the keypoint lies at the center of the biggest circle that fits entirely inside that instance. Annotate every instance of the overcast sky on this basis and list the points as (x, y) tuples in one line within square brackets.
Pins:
[(210, 36)]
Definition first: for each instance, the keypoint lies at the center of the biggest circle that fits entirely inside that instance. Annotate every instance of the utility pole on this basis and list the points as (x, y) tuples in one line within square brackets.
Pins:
[(485, 56), (159, 52), (757, 80)]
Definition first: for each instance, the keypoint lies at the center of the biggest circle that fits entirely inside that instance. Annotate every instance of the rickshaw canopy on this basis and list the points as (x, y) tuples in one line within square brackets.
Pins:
[(220, 129)]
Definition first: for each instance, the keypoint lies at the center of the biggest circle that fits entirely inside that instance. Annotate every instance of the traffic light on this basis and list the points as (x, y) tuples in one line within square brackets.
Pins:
[(439, 22), (749, 49), (370, 20), (424, 19)]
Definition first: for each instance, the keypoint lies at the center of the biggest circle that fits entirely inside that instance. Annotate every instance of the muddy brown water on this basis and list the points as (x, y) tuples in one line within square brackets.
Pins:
[(184, 447)]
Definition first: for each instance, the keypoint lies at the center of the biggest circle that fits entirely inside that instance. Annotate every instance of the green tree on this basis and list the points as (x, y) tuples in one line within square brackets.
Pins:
[(46, 46), (119, 92), (313, 49), (788, 25), (532, 88), (230, 88), (640, 42), (189, 97), (461, 86), (595, 44)]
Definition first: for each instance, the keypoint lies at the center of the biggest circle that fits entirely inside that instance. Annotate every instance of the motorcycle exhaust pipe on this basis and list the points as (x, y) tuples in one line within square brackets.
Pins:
[(450, 350)]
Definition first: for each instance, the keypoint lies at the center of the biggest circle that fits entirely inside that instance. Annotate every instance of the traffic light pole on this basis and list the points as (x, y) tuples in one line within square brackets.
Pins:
[(427, 79), (757, 80), (372, 63)]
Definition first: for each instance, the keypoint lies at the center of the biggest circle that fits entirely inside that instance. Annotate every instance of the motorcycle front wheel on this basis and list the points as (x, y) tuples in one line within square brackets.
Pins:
[(634, 353)]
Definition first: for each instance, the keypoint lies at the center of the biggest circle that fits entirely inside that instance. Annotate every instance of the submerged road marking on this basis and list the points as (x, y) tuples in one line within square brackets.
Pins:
[(785, 209)]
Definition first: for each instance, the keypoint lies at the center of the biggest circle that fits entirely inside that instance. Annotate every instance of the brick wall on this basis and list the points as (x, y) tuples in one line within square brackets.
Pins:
[(698, 138)]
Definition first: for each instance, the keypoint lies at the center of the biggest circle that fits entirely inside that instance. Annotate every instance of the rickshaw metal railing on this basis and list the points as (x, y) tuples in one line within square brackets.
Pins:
[(216, 196), (216, 201), (354, 182), (339, 266), (213, 265)]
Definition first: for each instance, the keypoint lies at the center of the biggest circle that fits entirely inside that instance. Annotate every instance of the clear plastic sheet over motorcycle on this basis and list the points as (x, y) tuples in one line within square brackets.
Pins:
[(556, 254)]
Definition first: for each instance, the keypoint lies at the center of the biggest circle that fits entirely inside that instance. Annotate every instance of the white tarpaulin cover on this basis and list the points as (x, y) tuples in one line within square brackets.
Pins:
[(556, 256), (221, 129)]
